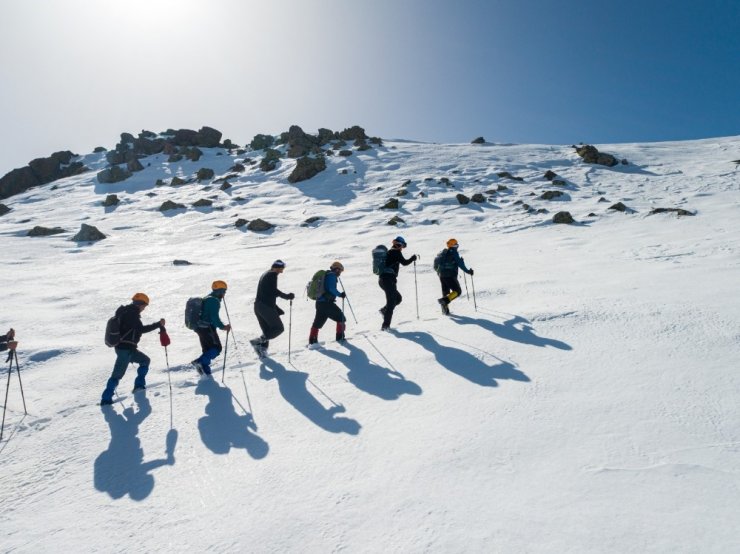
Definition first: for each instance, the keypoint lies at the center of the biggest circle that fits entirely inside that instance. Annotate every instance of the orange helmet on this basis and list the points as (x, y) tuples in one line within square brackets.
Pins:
[(219, 285), (452, 243), (140, 297)]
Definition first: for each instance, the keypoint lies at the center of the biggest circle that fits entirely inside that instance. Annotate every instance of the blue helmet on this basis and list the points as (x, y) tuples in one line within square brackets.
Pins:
[(400, 240)]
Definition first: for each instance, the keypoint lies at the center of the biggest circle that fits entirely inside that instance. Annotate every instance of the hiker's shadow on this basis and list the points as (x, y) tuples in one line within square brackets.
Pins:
[(372, 378), (222, 429), (121, 470), (293, 386), (463, 363), (516, 329)]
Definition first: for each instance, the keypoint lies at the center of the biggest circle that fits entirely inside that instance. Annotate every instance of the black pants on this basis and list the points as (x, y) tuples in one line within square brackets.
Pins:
[(209, 339), (269, 319), (327, 310), (392, 297), (449, 284)]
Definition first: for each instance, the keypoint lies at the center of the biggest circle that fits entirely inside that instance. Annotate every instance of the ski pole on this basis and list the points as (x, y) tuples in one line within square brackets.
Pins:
[(290, 328), (164, 340), (18, 371), (226, 349), (475, 304), (7, 388), (466, 286), (229, 318), (348, 302), (416, 288)]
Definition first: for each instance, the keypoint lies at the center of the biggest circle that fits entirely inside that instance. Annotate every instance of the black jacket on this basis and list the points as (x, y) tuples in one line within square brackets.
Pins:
[(131, 326), (393, 259), (267, 291)]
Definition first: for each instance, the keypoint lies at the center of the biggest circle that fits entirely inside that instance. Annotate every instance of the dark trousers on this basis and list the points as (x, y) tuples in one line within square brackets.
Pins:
[(209, 339), (327, 310), (392, 297), (269, 319), (450, 284)]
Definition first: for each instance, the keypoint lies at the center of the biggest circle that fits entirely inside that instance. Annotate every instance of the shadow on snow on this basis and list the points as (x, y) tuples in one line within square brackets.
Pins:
[(121, 470), (463, 363), (293, 387), (516, 329), (372, 378), (222, 429)]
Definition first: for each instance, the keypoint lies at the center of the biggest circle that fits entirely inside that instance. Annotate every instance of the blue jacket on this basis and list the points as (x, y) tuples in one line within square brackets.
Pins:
[(330, 287)]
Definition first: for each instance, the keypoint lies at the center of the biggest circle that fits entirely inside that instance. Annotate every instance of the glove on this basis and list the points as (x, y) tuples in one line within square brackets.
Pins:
[(413, 258), (342, 294), (471, 271), (291, 296), (227, 327)]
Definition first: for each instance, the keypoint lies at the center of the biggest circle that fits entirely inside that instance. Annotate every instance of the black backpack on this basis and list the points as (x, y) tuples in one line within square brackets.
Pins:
[(113, 330), (445, 264), (193, 310)]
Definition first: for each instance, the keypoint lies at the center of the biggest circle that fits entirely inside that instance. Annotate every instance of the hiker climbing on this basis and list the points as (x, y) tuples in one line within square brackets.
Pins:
[(123, 332), (323, 289), (446, 264), (386, 265), (207, 325), (7, 342), (266, 309)]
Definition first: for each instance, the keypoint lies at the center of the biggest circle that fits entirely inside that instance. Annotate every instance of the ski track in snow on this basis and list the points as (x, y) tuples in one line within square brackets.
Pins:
[(587, 391)]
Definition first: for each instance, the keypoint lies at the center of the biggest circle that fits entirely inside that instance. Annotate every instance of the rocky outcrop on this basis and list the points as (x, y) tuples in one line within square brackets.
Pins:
[(563, 217), (4, 209), (260, 142), (479, 140), (113, 174), (40, 171), (478, 198), (204, 174), (307, 168), (551, 194), (395, 220), (462, 198), (40, 231), (170, 205), (271, 159), (392, 204), (591, 155), (111, 200), (88, 233), (203, 203), (353, 133), (259, 225), (677, 211)]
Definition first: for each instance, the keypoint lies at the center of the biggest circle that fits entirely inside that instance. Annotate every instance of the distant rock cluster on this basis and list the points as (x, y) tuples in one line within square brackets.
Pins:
[(39, 172)]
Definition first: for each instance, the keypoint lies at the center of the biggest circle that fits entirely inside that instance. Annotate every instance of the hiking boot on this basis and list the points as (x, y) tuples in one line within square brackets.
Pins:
[(382, 311), (385, 328), (138, 388), (313, 340), (340, 337), (106, 402), (198, 366), (445, 305)]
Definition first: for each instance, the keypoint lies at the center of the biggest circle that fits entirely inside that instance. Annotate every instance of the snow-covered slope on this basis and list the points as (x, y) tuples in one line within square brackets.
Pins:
[(585, 400)]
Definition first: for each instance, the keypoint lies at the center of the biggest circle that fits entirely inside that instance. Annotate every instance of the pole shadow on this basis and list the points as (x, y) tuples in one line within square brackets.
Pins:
[(370, 377), (464, 364), (516, 329), (222, 429), (121, 470), (293, 386)]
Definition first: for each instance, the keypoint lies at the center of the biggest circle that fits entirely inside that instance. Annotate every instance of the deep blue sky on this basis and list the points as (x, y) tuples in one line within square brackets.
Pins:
[(76, 73)]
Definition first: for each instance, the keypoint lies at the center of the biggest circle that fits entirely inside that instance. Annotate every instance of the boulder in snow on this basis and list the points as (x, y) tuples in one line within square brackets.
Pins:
[(88, 233)]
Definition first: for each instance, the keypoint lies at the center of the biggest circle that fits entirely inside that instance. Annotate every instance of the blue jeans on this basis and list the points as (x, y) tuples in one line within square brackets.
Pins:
[(124, 357)]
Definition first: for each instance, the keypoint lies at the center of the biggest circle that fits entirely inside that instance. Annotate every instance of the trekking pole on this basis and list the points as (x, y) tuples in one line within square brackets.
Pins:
[(416, 287), (475, 304), (466, 286), (164, 340), (229, 318), (348, 302), (290, 328), (7, 388), (226, 350), (18, 371)]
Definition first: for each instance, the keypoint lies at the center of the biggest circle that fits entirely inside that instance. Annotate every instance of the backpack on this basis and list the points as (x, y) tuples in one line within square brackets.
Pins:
[(315, 287), (113, 330), (445, 263), (193, 309), (380, 253)]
